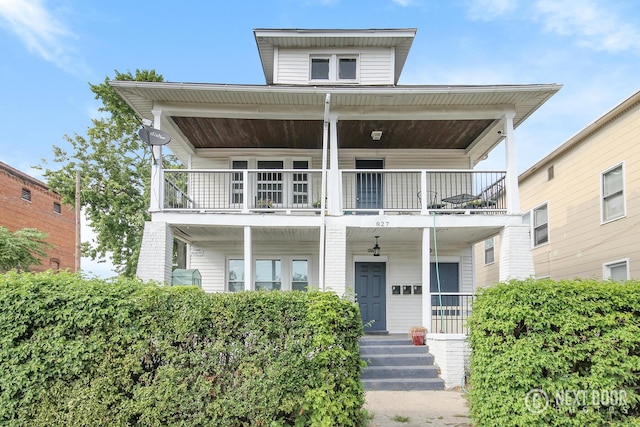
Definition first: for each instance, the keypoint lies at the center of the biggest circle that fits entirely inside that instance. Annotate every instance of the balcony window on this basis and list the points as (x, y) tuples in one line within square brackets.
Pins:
[(270, 185), (300, 184), (237, 181), (613, 203)]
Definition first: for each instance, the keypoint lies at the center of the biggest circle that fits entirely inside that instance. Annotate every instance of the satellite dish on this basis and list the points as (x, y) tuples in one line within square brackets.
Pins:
[(154, 136)]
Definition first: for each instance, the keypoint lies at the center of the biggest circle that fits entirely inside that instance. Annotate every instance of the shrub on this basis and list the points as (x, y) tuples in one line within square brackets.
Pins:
[(77, 352), (548, 353)]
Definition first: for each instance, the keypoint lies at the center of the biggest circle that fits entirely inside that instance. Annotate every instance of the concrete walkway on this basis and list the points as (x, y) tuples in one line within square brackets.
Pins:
[(418, 408)]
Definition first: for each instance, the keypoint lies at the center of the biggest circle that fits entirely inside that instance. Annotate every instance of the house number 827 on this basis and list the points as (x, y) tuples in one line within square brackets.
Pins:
[(382, 223)]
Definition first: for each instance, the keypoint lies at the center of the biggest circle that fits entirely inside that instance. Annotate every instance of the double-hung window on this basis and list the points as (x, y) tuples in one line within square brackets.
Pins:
[(299, 274), (618, 271), (489, 252), (268, 274), (236, 275), (333, 68), (540, 225), (613, 203)]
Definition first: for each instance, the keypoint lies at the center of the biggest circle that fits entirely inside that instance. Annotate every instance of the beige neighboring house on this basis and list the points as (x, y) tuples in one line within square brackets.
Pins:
[(583, 204)]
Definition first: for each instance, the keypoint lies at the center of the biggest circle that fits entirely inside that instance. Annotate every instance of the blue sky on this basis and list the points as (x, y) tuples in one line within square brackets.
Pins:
[(52, 49)]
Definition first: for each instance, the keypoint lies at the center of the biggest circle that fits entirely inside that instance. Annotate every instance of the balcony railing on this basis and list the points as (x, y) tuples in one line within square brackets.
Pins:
[(362, 191), (450, 312)]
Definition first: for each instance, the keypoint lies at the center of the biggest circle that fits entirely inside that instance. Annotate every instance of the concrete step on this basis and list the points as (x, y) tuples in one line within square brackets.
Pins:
[(398, 359), (404, 384), (411, 372), (374, 341), (393, 349)]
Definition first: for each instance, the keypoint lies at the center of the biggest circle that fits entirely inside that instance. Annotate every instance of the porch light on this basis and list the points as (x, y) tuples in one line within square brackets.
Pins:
[(376, 248), (376, 135)]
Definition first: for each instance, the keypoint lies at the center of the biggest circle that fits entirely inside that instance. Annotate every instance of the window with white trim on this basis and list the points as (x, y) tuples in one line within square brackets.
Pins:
[(489, 252), (540, 225), (237, 184), (612, 190), (333, 68), (268, 274), (618, 271), (235, 282), (299, 274)]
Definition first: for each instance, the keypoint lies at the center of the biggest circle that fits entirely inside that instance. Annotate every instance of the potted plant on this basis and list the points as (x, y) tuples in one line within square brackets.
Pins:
[(418, 335), (264, 204), (316, 204)]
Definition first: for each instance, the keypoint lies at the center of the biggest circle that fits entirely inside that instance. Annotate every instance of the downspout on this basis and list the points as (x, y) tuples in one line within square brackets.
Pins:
[(323, 199)]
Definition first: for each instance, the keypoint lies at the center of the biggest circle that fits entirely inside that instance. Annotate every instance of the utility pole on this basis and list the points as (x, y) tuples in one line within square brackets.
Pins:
[(78, 254)]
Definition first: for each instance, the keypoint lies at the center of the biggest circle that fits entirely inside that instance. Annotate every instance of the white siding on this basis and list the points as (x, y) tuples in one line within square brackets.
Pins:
[(376, 65), (211, 259)]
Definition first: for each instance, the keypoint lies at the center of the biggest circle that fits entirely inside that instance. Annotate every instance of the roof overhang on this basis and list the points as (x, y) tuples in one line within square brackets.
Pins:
[(200, 117), (268, 40)]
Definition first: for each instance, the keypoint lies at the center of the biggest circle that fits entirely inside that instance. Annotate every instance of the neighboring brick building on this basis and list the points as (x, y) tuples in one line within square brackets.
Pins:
[(26, 202)]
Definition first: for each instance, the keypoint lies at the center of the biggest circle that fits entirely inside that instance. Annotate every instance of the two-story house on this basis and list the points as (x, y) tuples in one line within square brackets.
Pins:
[(581, 203), (332, 176)]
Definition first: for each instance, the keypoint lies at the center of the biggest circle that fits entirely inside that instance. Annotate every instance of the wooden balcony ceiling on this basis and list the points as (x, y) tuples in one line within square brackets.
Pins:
[(204, 132)]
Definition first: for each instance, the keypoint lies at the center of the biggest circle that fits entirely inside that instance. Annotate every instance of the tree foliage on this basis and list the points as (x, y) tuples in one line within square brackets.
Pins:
[(21, 249), (114, 166)]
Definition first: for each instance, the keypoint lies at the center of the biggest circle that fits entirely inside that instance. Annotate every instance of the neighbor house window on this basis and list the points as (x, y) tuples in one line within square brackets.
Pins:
[(300, 184), (550, 173), (236, 275), (613, 204), (26, 194), (57, 208), (299, 274), (269, 184), (54, 264), (489, 253), (617, 271), (268, 274), (540, 225)]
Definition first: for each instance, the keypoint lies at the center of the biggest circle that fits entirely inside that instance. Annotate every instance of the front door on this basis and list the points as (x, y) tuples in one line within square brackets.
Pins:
[(369, 185), (370, 287)]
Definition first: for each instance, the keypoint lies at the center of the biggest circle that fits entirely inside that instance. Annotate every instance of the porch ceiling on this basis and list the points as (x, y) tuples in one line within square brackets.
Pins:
[(208, 132), (357, 235)]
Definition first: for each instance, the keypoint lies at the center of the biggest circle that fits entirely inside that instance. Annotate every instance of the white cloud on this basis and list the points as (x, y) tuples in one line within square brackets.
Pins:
[(594, 25), (486, 10), (41, 32), (403, 3)]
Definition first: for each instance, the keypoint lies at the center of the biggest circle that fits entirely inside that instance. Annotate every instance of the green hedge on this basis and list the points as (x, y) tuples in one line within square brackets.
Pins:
[(548, 353), (89, 353)]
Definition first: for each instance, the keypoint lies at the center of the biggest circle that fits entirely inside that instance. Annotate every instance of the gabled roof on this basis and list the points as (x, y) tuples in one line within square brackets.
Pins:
[(269, 39), (601, 122)]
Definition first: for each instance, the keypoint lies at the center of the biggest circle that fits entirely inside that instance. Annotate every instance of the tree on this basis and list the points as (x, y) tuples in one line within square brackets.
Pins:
[(21, 249), (114, 166)]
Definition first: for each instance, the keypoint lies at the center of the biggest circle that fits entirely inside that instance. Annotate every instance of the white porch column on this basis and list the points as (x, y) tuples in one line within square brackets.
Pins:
[(335, 181), (157, 184), (336, 259), (156, 252), (248, 263), (426, 278), (516, 259), (512, 194)]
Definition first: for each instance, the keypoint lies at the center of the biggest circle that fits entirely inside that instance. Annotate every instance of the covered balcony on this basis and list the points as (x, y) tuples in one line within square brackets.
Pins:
[(360, 191)]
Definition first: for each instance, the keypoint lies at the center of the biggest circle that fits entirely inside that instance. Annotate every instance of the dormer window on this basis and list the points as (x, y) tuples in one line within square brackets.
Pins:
[(334, 68)]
